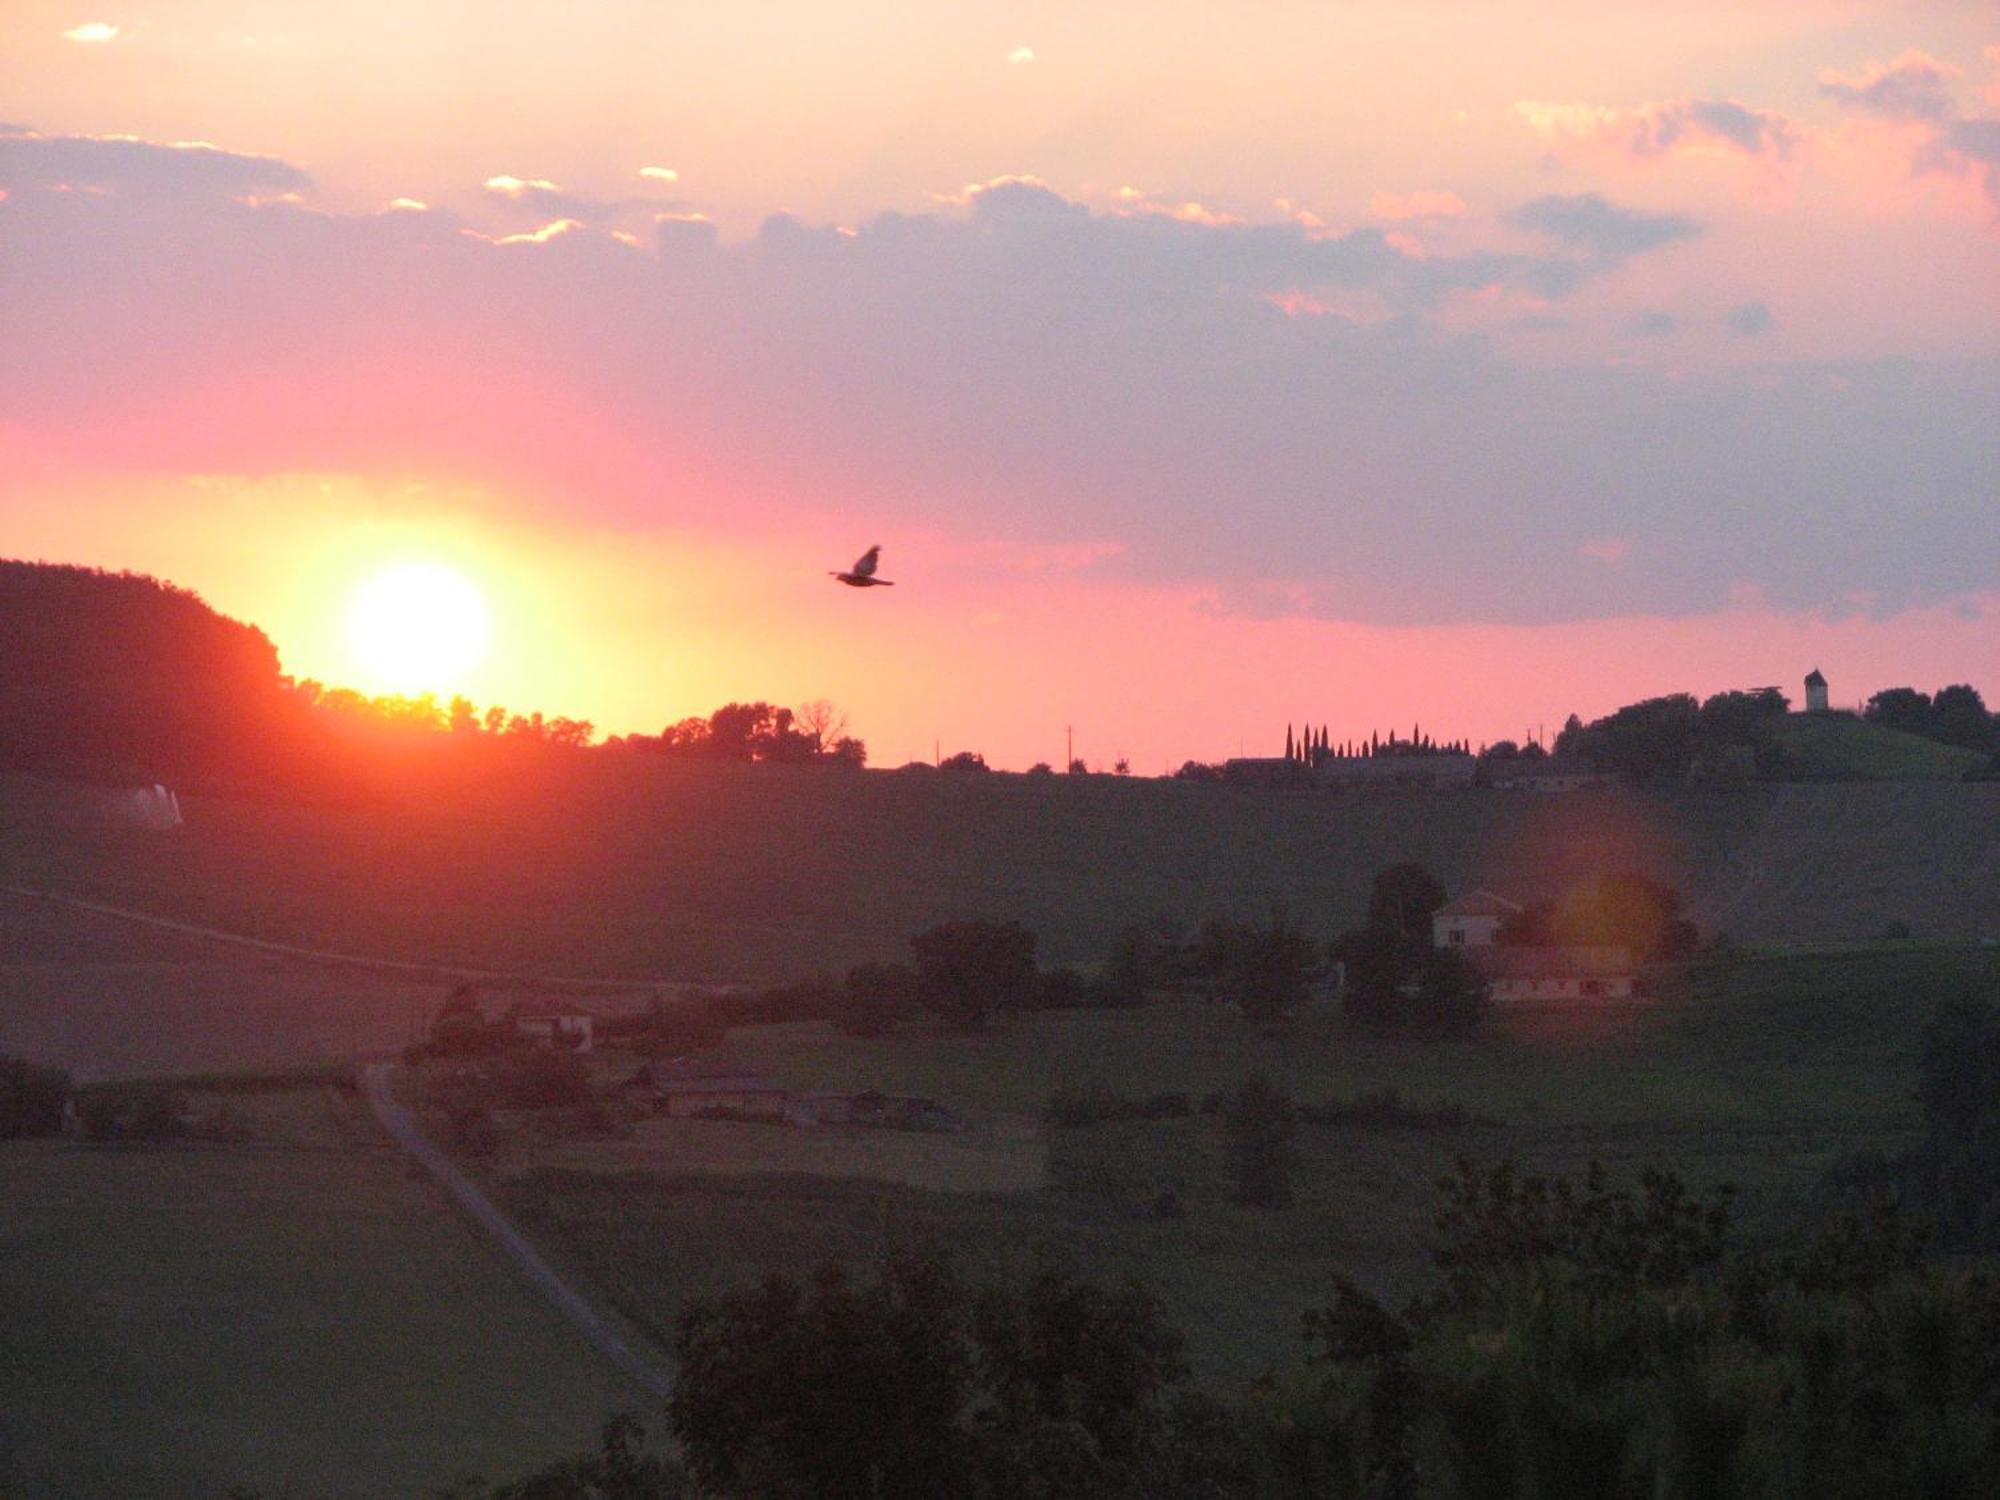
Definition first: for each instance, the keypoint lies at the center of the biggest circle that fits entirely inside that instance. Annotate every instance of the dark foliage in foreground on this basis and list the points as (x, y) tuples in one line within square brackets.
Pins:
[(1952, 1179), (619, 1470), (31, 1099), (909, 1383)]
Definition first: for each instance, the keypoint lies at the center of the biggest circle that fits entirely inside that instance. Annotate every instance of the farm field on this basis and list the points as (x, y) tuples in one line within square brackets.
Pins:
[(613, 866), (105, 998), (293, 1313), (1762, 1075)]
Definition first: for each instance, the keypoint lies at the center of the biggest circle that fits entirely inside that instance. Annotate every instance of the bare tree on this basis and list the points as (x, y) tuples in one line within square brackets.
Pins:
[(821, 722)]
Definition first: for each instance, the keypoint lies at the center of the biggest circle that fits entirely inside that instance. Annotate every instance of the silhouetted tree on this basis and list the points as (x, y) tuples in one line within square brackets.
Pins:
[(1960, 718), (969, 970), (1402, 901), (1267, 970)]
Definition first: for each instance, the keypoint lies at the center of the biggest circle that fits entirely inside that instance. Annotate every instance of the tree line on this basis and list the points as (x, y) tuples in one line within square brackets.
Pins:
[(122, 679), (1677, 736)]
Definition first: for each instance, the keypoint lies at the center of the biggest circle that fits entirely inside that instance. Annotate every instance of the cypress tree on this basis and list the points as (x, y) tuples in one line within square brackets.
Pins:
[(1289, 754)]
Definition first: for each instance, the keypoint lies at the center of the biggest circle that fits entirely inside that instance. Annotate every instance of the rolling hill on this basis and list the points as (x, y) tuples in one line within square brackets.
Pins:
[(610, 864)]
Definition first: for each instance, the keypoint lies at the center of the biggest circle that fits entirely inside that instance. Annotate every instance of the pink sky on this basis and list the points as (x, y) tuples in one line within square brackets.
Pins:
[(1378, 364)]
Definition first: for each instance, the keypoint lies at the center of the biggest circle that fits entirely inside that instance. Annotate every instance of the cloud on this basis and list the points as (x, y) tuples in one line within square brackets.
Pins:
[(660, 174), (1913, 87), (124, 164), (1608, 234), (538, 201), (92, 32), (1655, 324), (1917, 87), (1656, 130), (1021, 55), (1422, 204), (1751, 319), (1016, 365)]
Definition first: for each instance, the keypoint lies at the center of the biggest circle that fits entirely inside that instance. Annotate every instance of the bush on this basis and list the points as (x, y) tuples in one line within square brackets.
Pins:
[(909, 1384), (1265, 970), (31, 1099), (540, 1078), (1097, 1105), (969, 970), (1258, 1123), (1386, 1110), (877, 998), (132, 1112), (1063, 988)]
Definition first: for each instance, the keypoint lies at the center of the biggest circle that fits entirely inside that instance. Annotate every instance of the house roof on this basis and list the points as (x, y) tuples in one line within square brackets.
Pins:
[(1813, 679), (1479, 903), (1552, 963)]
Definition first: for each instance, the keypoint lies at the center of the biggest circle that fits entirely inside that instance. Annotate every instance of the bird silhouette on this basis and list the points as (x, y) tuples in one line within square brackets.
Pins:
[(862, 574)]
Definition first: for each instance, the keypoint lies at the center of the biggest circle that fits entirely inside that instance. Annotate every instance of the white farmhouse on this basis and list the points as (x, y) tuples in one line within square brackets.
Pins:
[(1472, 921)]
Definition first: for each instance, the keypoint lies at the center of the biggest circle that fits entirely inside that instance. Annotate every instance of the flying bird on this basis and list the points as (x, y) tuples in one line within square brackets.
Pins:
[(862, 576)]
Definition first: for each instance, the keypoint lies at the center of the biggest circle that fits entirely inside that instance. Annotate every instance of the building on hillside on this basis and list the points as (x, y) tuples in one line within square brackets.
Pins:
[(1514, 974), (1815, 692), (556, 1026), (1546, 773), (1472, 921), (690, 1088), (1436, 768)]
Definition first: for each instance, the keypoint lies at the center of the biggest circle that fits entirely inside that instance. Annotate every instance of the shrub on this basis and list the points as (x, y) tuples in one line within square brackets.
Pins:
[(132, 1112), (1258, 1124), (540, 1078), (877, 998), (1096, 1105), (1385, 1110), (31, 1099), (969, 970)]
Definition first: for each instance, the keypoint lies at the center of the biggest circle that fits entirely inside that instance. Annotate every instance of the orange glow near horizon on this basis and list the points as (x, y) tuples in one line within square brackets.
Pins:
[(978, 648)]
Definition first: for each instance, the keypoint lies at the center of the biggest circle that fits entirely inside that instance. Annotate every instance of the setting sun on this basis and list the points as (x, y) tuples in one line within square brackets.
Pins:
[(417, 627)]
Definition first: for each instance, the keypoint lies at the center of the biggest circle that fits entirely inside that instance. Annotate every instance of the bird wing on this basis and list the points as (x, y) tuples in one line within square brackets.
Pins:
[(865, 568)]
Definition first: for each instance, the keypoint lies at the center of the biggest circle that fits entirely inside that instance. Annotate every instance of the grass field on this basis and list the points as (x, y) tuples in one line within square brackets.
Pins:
[(1840, 747), (293, 1313), (640, 867), (1761, 1075), (108, 999)]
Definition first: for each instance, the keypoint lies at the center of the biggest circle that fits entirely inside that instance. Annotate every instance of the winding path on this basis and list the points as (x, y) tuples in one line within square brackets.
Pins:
[(402, 1127)]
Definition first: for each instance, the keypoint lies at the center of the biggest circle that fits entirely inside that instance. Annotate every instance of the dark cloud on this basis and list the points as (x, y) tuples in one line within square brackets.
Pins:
[(29, 160), (1016, 366), (1655, 324), (1750, 319), (1913, 87), (1606, 233), (1755, 131)]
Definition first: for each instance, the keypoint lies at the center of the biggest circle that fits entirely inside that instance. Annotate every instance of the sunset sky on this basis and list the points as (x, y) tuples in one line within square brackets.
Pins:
[(1197, 367)]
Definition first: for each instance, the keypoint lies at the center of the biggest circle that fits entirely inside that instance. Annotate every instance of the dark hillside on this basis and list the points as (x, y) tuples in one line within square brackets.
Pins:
[(605, 863)]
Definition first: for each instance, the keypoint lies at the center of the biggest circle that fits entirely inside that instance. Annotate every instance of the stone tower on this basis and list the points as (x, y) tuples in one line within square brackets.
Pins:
[(1815, 692)]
